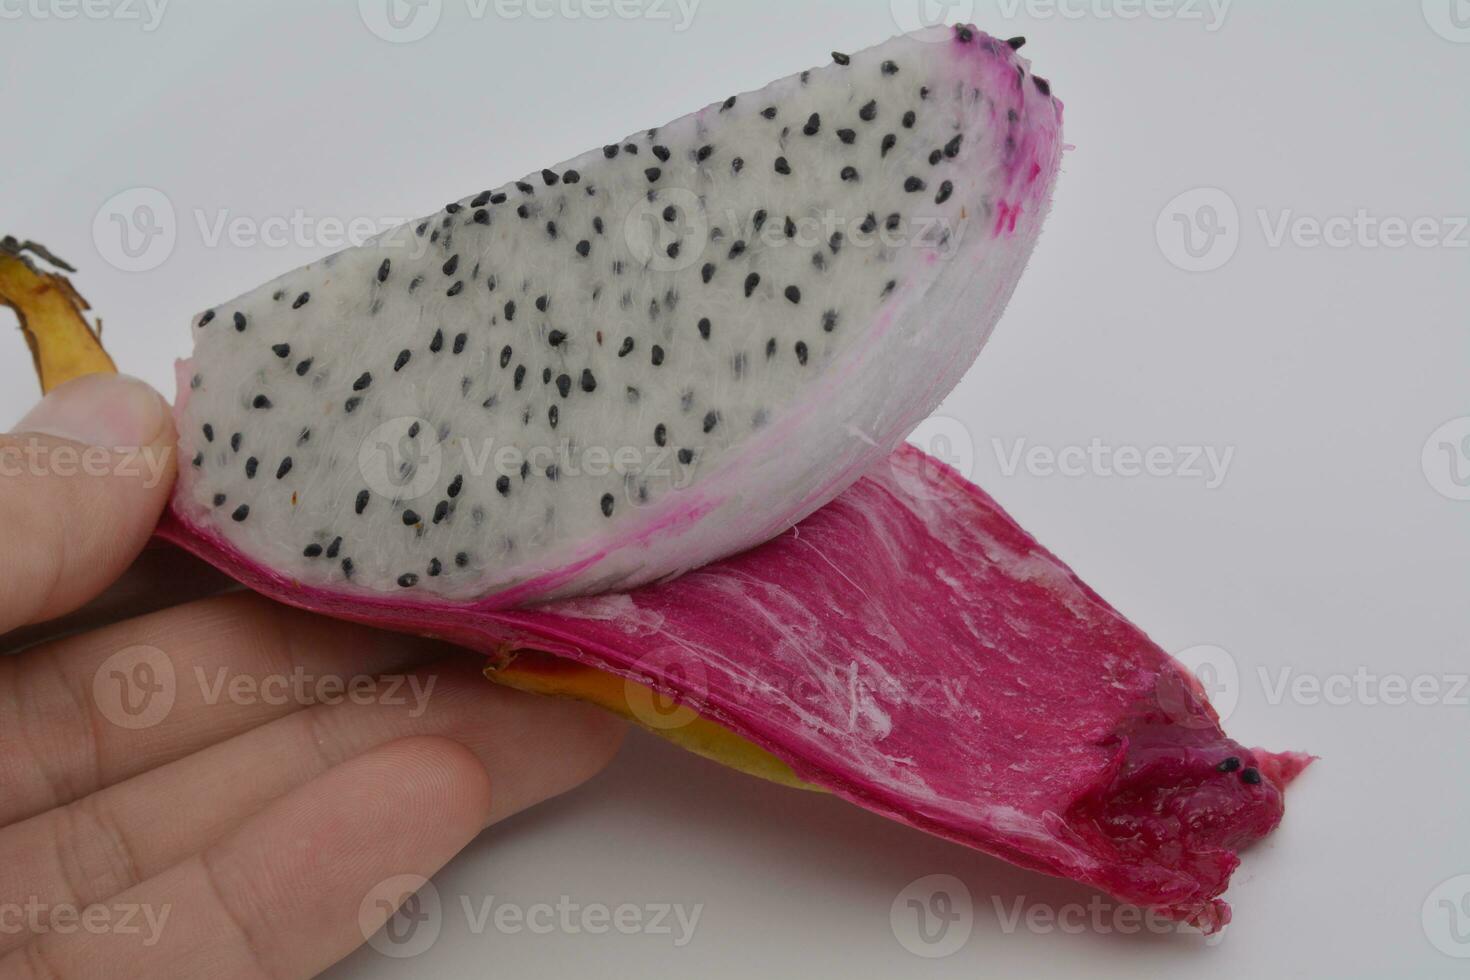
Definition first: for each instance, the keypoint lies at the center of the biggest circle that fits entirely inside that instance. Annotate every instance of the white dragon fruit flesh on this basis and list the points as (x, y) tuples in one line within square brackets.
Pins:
[(661, 352)]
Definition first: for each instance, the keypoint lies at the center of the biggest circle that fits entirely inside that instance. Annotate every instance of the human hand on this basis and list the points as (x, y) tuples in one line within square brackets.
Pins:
[(196, 769)]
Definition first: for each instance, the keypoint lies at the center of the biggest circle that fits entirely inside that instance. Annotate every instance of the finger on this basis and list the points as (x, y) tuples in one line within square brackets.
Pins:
[(161, 577), (281, 897), (85, 477), (96, 848), (89, 711)]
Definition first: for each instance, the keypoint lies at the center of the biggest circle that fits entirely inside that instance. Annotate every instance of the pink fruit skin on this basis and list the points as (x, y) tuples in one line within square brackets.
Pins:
[(912, 649)]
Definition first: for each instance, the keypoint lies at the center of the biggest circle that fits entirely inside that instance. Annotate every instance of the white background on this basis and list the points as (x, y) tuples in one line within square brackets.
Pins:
[(1326, 550)]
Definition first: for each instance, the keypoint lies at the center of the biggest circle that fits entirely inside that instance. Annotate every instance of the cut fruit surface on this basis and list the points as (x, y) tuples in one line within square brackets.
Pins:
[(660, 352)]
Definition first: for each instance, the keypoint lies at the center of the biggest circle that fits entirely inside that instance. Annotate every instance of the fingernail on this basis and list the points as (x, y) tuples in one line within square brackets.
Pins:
[(109, 410)]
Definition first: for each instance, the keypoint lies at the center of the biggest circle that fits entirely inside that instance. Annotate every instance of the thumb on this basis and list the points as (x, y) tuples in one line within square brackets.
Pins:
[(83, 479)]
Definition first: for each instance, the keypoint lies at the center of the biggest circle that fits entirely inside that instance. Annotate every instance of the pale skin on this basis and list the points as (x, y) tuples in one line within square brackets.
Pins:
[(260, 824)]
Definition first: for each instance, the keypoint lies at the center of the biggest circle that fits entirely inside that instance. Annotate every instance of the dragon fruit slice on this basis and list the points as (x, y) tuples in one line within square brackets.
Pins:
[(910, 648), (663, 351)]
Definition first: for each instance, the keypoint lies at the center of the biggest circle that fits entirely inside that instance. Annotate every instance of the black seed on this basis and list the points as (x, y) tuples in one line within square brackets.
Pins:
[(281, 350), (434, 567), (408, 580), (235, 442), (889, 142), (631, 149), (913, 185), (551, 229), (208, 431), (520, 376), (908, 119), (660, 435), (554, 338), (303, 367), (790, 227), (334, 547), (363, 381), (206, 317), (240, 322), (410, 518), (301, 301), (737, 249), (610, 151), (241, 512), (829, 321), (198, 460), (260, 401), (362, 501), (841, 58), (1044, 87), (597, 224), (770, 348), (952, 148), (550, 178), (801, 352), (656, 355), (451, 264), (284, 468), (702, 154), (626, 348), (589, 382), (502, 484), (964, 34), (835, 242), (351, 404), (497, 198), (522, 211), (564, 384), (846, 135), (710, 421), (686, 456), (653, 174), (869, 225), (510, 311), (662, 152), (708, 272), (889, 68), (769, 112), (455, 486), (751, 281), (480, 199), (673, 250), (945, 190), (758, 220), (454, 208), (584, 247), (782, 167), (893, 221), (704, 326), (868, 112), (552, 414), (1251, 776), (728, 103), (441, 511), (313, 551), (482, 217), (455, 289), (1016, 43), (935, 157), (402, 359), (813, 125), (546, 376), (524, 187), (462, 559), (219, 500), (793, 294), (347, 567), (459, 342), (737, 164), (1229, 765), (849, 173)]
